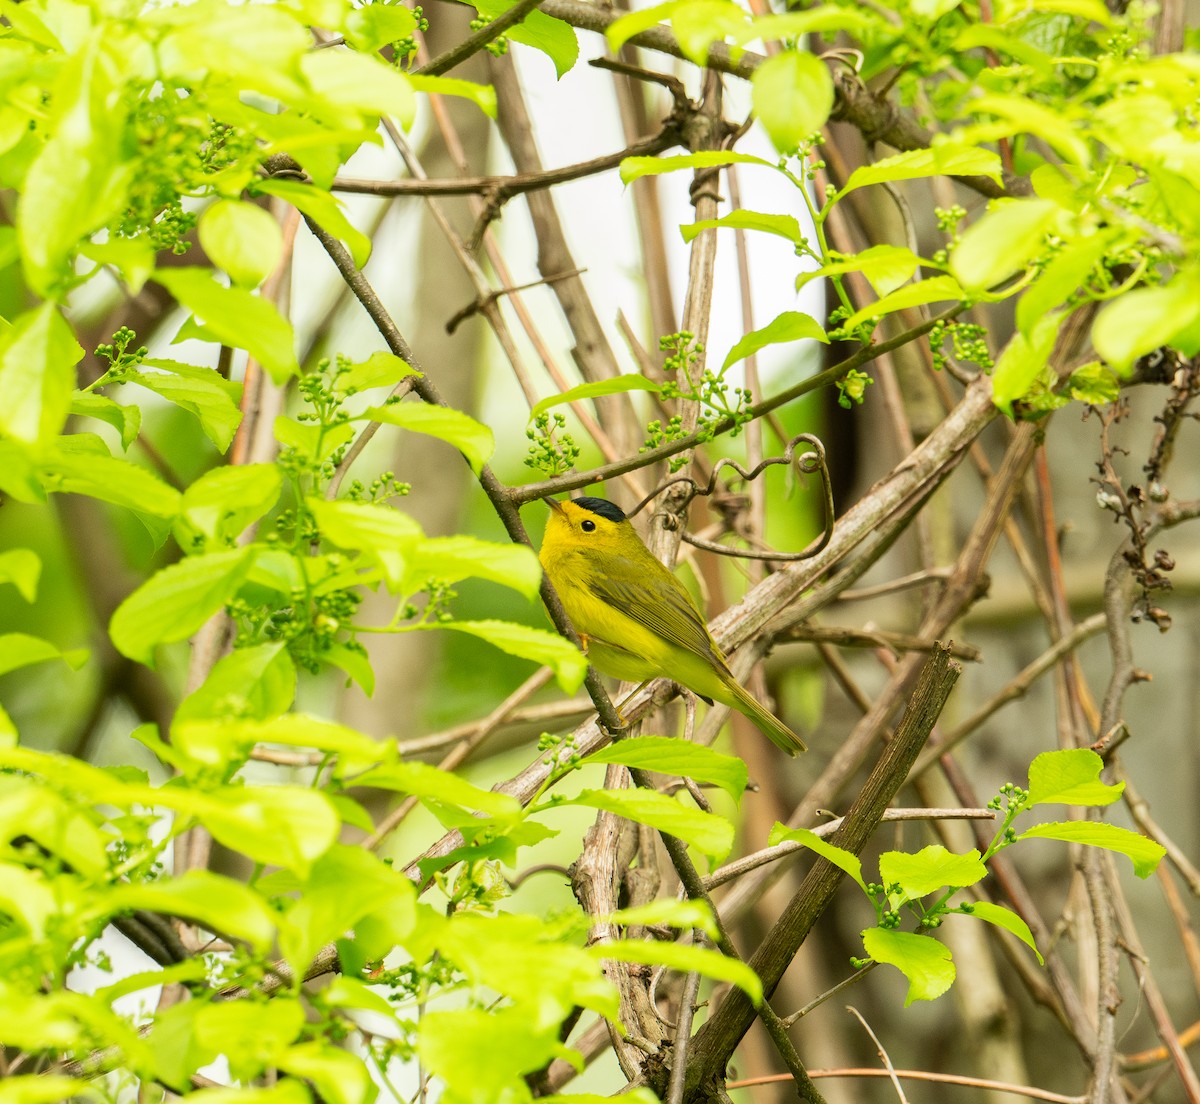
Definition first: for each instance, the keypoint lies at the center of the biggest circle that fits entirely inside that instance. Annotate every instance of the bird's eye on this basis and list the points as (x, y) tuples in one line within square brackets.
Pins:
[(588, 526)]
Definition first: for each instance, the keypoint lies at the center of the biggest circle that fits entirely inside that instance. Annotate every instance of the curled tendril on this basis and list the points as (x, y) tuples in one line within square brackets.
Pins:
[(810, 462)]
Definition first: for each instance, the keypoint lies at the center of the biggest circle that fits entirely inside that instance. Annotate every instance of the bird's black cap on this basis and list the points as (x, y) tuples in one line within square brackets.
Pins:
[(602, 507)]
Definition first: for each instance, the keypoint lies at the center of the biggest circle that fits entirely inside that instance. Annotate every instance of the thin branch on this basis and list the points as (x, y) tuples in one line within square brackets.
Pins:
[(925, 1075), (473, 43)]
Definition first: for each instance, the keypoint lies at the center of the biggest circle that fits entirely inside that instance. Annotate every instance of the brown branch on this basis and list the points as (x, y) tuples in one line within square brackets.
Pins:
[(718, 1038), (473, 43)]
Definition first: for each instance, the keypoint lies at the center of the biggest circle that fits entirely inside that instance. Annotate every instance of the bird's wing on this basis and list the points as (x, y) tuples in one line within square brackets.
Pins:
[(658, 601)]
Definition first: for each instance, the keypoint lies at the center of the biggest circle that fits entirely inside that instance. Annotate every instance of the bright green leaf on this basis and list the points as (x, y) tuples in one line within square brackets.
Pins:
[(930, 868), (323, 208), (431, 784), (219, 505), (631, 23), (947, 159), (221, 904), (567, 662), (796, 24), (937, 289), (235, 317), (38, 354), (1022, 360), (202, 392), (1095, 383), (45, 1089), (677, 913), (1143, 852), (175, 601), (887, 267), (552, 37), (685, 958), (699, 23), (337, 1075), (473, 439), (1067, 270), (632, 168), (255, 683), (615, 386), (783, 226), (1070, 776), (380, 369), (22, 568), (79, 463), (924, 961), (241, 238), (1002, 242), (360, 83), (126, 420), (450, 559), (22, 650), (792, 96), (711, 835), (483, 96), (384, 536), (1142, 320), (844, 860), (668, 755), (1008, 920), (376, 25), (785, 328)]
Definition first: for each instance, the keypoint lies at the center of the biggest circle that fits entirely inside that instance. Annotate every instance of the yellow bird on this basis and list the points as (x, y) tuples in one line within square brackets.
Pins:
[(636, 620)]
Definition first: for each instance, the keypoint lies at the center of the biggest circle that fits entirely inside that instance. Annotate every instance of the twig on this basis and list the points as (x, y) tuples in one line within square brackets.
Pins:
[(473, 43), (924, 1075), (883, 1055), (876, 638)]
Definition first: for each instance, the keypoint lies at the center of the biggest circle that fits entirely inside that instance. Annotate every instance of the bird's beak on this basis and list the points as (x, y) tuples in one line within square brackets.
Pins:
[(554, 505)]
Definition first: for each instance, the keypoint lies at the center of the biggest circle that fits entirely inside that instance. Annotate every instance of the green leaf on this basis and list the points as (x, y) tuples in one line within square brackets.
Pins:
[(668, 755), (1061, 277), (937, 289), (22, 650), (844, 860), (552, 37), (1020, 114), (242, 239), (783, 226), (235, 317), (219, 505), (126, 420), (79, 180), (287, 1091), (380, 369), (631, 23), (1142, 320), (202, 392), (711, 835), (632, 168), (359, 83), (1002, 242), (175, 601), (887, 267), (344, 885), (57, 824), (353, 662), (450, 559), (79, 463), (483, 96), (384, 536), (946, 159), (431, 784), (38, 354), (667, 910), (792, 96), (699, 23), (211, 732), (787, 327), (1022, 360), (376, 25), (1095, 383), (567, 662), (1006, 919), (289, 826), (45, 1089), (22, 568), (312, 441), (473, 439), (325, 209), (1143, 852), (796, 24), (924, 961), (249, 1035), (338, 1076), (255, 683), (616, 386), (221, 904), (1070, 777), (929, 869), (133, 258), (685, 958)]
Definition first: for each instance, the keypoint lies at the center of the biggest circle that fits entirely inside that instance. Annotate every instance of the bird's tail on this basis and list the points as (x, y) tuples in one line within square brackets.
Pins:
[(768, 724)]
